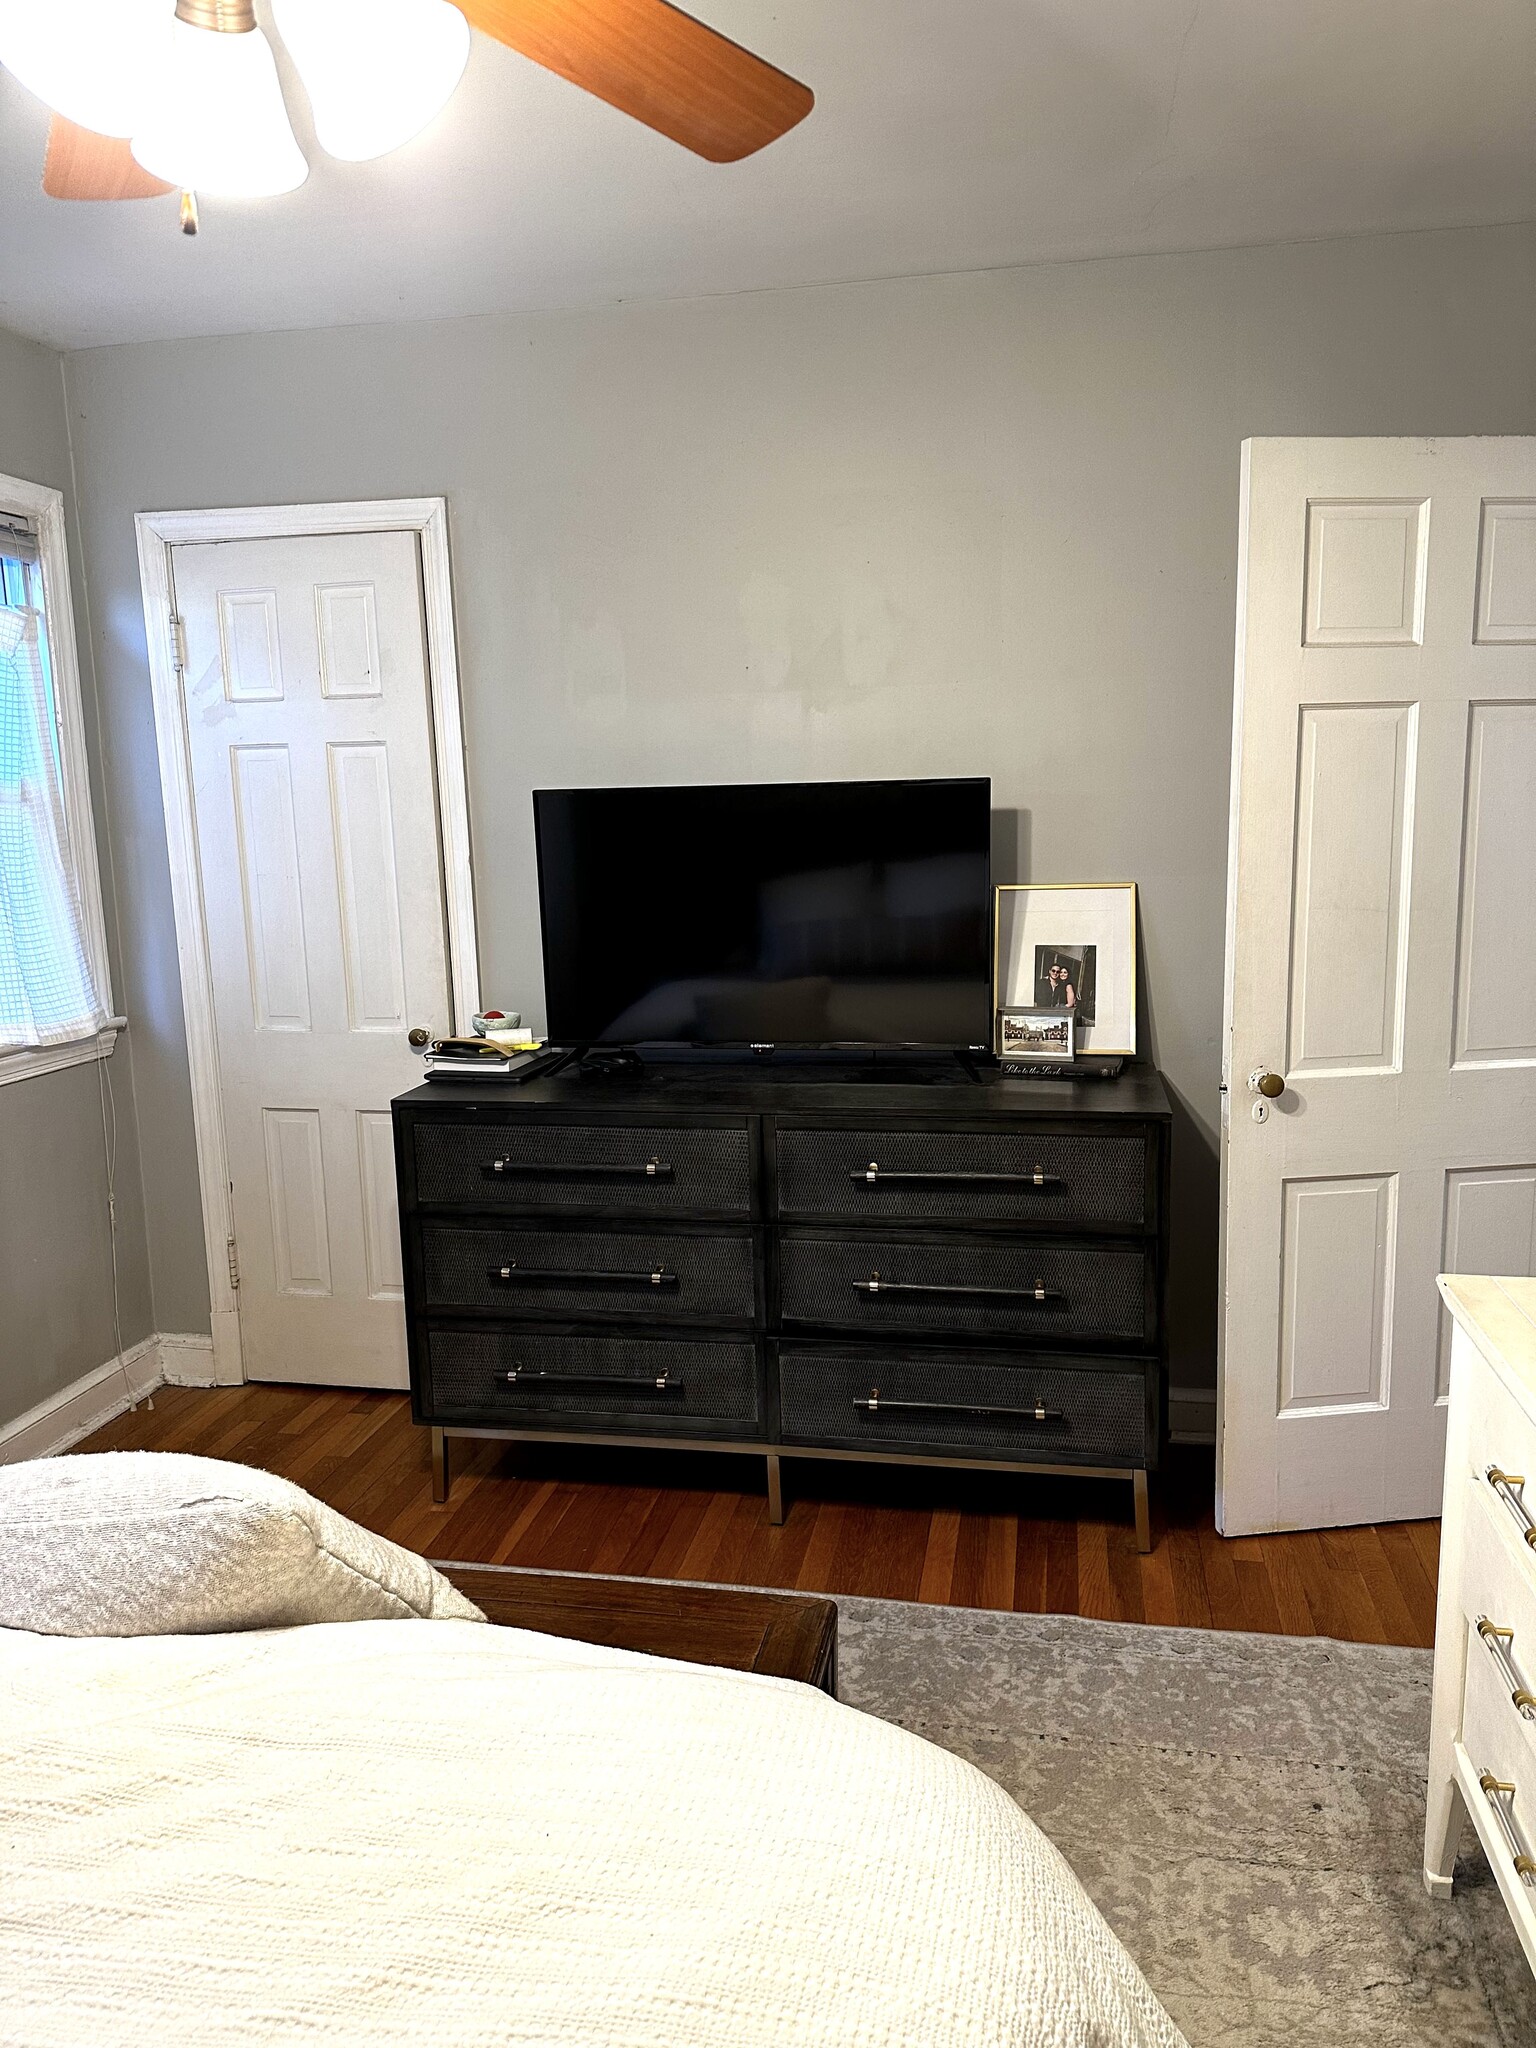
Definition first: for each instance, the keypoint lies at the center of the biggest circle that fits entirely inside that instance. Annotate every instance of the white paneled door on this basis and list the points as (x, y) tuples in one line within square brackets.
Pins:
[(1381, 959), (309, 730)]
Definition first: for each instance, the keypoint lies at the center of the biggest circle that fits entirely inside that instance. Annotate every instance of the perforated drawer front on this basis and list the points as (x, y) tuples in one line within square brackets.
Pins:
[(651, 1385), (612, 1275), (545, 1166), (941, 1176), (968, 1286), (1034, 1410)]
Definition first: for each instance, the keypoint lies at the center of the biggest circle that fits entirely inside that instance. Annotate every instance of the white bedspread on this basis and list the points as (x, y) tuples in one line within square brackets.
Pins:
[(439, 1833)]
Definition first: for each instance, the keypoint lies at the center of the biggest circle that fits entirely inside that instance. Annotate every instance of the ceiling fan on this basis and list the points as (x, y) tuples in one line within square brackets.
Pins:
[(156, 96)]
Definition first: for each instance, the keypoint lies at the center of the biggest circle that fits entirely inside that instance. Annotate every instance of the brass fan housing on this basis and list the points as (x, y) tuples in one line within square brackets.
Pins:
[(227, 17)]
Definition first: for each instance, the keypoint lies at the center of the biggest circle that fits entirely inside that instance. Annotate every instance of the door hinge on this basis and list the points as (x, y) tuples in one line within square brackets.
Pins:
[(234, 1262), (178, 643)]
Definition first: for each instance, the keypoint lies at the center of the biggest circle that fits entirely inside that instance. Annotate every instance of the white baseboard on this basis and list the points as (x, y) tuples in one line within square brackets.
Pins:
[(187, 1361), (1192, 1415), (85, 1404)]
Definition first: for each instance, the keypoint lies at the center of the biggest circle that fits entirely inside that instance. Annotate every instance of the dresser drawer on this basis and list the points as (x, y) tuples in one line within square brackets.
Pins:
[(1498, 1747), (647, 1385), (615, 1275), (969, 1286), (1501, 1458), (642, 1169), (1031, 1410), (1498, 1588), (1091, 1177)]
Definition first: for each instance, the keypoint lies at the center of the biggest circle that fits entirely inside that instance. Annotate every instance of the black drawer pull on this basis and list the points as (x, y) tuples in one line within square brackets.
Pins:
[(501, 1169), (528, 1276), (875, 1175), (523, 1376), (875, 1405), (1038, 1293)]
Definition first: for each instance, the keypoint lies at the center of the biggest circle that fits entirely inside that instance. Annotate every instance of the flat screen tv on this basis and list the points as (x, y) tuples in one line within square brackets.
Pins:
[(802, 914)]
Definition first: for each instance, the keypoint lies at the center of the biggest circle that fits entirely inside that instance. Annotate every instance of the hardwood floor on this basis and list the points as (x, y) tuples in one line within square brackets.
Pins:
[(897, 1533)]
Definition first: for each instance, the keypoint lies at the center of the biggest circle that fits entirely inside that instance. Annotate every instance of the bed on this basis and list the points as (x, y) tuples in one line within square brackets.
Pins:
[(441, 1832)]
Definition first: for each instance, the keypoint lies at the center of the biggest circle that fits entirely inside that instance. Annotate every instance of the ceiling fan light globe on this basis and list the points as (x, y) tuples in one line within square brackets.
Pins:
[(93, 61), (376, 71), (217, 123)]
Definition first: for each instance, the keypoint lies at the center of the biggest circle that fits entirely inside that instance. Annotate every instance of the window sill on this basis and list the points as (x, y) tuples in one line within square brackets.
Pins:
[(48, 1059)]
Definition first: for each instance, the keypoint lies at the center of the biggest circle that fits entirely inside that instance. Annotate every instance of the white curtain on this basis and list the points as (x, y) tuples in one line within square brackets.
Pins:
[(47, 995)]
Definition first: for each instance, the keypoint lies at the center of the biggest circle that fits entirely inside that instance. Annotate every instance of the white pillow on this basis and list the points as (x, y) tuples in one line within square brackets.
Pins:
[(151, 1543)]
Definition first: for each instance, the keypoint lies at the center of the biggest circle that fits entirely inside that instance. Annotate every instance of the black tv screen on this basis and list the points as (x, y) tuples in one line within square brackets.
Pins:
[(786, 914)]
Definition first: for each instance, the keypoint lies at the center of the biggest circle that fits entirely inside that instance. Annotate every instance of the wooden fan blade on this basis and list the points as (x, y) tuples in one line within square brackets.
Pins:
[(656, 63), (83, 165)]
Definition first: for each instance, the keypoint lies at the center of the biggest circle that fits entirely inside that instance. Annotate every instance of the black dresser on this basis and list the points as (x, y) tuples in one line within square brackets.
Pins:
[(926, 1269)]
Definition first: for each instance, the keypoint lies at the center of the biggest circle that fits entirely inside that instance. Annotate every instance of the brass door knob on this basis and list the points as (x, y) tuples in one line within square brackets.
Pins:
[(417, 1037), (1263, 1083)]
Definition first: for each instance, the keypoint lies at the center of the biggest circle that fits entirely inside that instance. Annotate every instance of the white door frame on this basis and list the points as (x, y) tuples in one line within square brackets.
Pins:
[(158, 533)]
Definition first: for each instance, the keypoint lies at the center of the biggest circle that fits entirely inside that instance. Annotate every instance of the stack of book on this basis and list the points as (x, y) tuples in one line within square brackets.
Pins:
[(474, 1059)]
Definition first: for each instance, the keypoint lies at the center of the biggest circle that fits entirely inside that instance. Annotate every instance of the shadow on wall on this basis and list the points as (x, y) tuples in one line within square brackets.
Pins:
[(1010, 847), (1195, 1177), (1194, 1207)]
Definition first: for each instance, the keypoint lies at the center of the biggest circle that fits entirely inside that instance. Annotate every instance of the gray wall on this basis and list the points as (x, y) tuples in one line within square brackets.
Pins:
[(950, 525), (55, 1251)]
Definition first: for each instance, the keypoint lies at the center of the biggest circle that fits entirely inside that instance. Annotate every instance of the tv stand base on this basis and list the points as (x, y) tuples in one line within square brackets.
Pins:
[(772, 1457)]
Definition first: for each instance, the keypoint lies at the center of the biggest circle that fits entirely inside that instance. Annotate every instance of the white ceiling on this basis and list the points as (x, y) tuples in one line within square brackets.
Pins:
[(947, 135)]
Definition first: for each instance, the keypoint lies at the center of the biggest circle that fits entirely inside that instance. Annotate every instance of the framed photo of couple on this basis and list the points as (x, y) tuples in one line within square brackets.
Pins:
[(1070, 946)]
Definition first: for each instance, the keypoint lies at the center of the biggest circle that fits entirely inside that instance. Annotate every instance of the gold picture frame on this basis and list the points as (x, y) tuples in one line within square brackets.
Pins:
[(1030, 917)]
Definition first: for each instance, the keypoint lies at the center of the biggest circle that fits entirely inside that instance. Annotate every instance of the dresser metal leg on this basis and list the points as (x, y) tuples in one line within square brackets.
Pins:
[(1143, 1512), (775, 1492), (439, 1464)]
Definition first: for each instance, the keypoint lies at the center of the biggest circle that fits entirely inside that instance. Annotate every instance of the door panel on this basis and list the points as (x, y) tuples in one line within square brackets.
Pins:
[(1381, 956), (347, 619), (1506, 585), (309, 718), (301, 1243), (1366, 560), (381, 1212), (362, 820), (253, 668), (1355, 798), (1336, 1252), (1496, 985), (269, 888)]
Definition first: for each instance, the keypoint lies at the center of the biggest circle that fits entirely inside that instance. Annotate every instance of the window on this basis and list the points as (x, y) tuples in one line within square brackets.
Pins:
[(55, 999)]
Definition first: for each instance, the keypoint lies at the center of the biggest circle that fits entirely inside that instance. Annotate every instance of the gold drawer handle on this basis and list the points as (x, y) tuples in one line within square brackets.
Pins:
[(1509, 1488), (1501, 1647), (1495, 1790)]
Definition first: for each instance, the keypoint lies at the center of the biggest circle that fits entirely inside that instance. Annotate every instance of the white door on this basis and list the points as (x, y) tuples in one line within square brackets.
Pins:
[(310, 737), (1381, 958)]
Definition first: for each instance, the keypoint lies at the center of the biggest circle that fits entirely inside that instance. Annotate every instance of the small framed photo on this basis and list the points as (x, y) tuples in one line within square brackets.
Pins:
[(1035, 1037), (1070, 947)]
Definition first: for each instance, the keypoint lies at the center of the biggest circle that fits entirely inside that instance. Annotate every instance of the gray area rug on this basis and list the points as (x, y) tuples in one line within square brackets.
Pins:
[(1247, 1811)]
